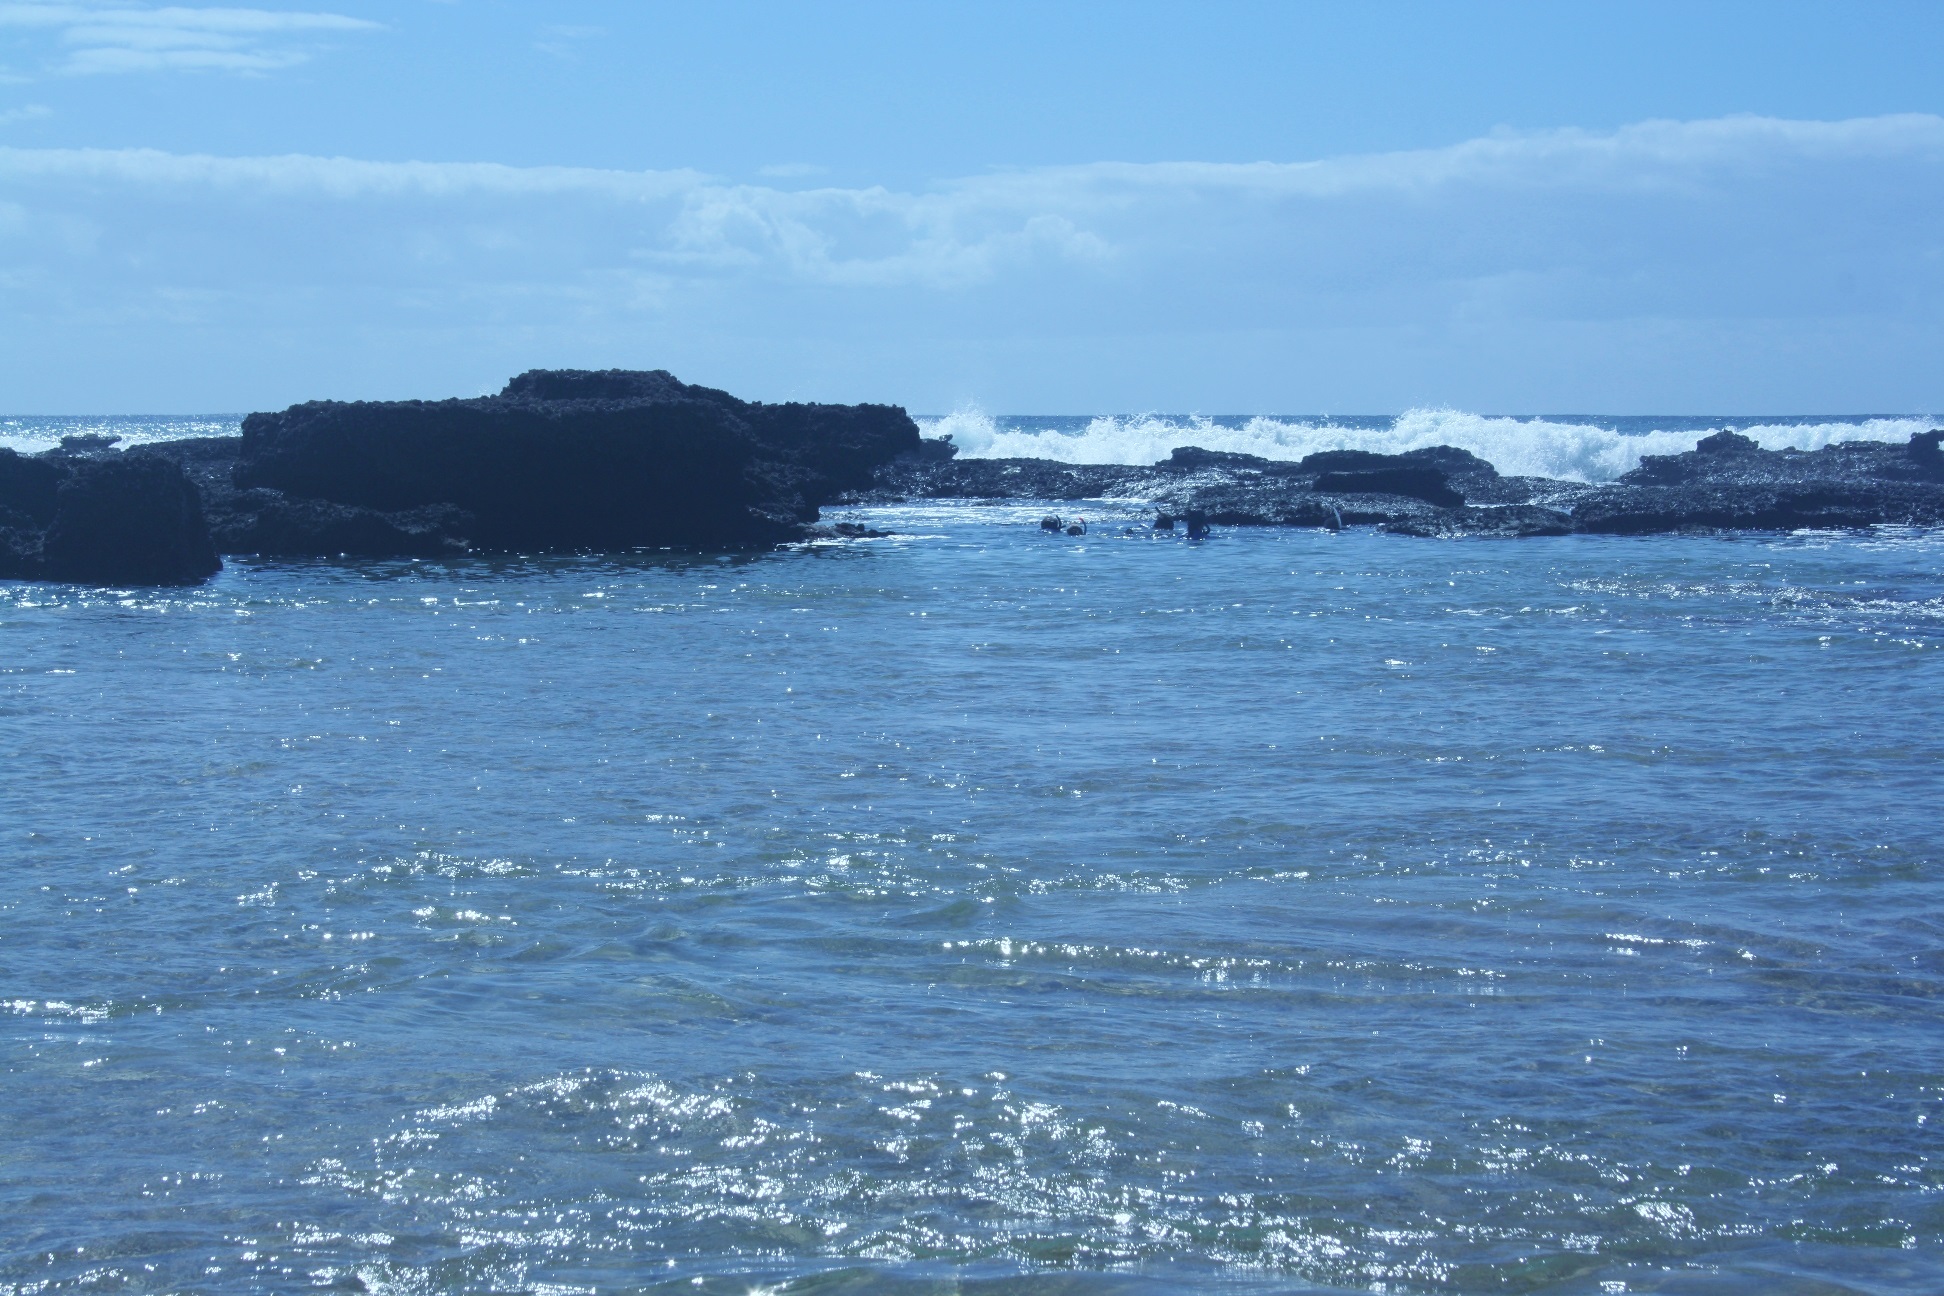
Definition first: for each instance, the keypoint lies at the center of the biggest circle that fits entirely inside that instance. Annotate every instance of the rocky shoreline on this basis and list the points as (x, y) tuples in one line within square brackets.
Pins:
[(1727, 482), (576, 460), (558, 461)]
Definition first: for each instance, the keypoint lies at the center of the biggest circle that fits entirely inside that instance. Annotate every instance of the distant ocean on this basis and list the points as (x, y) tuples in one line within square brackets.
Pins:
[(983, 911)]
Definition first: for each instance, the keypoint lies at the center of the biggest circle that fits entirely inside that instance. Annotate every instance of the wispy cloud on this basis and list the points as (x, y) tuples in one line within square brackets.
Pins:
[(563, 40), (26, 112), (95, 39)]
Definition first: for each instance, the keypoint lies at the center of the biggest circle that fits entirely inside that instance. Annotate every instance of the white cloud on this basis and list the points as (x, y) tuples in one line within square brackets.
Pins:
[(126, 38), (1490, 253), (968, 230), (26, 112)]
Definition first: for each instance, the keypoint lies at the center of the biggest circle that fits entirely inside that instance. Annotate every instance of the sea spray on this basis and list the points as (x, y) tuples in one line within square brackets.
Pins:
[(1570, 449)]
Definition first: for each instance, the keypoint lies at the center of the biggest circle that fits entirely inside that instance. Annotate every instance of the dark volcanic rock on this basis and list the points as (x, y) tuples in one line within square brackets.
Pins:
[(845, 531), (1432, 485), (1720, 506), (569, 459), (1333, 489), (128, 521), (1723, 451), (1726, 482), (1729, 482), (561, 459), (101, 519), (30, 486), (269, 523), (1924, 452), (1196, 459), (1449, 460)]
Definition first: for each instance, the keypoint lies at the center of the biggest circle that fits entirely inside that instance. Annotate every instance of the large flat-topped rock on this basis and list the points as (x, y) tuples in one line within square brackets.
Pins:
[(576, 459)]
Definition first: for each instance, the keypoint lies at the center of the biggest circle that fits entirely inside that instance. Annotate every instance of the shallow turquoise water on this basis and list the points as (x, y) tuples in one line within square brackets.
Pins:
[(977, 910)]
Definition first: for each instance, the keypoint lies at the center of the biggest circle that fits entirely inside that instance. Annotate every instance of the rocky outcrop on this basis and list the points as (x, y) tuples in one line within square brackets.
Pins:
[(101, 519), (570, 459), (1726, 482), (616, 459), (1333, 489), (1729, 482), (558, 460)]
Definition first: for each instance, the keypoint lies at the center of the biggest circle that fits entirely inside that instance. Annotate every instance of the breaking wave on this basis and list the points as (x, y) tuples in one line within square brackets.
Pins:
[(1589, 451)]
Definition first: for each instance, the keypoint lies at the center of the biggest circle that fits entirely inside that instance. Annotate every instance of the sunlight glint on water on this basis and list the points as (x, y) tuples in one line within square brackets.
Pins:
[(1289, 912)]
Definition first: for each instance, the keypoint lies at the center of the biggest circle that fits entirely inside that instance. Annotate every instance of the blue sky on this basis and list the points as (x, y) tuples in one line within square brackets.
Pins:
[(1029, 208)]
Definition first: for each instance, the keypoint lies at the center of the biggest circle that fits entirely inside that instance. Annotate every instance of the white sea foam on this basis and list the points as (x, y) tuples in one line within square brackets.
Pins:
[(33, 434), (1515, 446)]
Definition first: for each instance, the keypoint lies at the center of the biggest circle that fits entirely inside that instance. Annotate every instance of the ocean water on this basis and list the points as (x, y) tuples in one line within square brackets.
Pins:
[(31, 434), (981, 911)]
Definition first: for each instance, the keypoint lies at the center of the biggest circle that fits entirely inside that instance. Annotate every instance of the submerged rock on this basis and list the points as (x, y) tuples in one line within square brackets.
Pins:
[(1505, 520)]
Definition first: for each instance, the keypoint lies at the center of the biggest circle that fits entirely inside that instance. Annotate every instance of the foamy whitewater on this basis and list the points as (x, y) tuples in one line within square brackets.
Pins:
[(1571, 448)]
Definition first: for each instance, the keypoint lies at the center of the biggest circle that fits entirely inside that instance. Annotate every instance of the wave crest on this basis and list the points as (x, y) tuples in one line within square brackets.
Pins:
[(1517, 446)]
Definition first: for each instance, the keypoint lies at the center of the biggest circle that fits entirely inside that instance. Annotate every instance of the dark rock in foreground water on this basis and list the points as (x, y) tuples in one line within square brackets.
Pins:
[(111, 520)]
